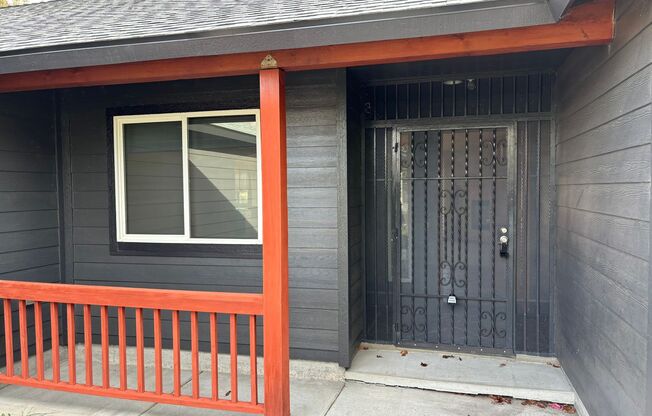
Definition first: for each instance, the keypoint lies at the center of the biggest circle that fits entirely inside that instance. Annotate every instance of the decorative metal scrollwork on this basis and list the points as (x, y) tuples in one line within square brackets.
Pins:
[(488, 152), (500, 316), (412, 313), (448, 273), (451, 202)]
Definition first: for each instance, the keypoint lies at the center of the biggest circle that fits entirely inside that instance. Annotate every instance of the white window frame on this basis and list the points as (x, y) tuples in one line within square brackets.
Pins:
[(120, 185)]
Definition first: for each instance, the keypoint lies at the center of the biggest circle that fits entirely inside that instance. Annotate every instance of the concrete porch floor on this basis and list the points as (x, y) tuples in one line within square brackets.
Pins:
[(532, 378), (309, 397)]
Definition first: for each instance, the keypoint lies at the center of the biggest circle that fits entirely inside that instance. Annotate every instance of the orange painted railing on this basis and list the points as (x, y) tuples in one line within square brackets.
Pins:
[(67, 296)]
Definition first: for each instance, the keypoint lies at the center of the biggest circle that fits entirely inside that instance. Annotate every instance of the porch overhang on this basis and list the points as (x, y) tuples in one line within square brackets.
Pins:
[(587, 24)]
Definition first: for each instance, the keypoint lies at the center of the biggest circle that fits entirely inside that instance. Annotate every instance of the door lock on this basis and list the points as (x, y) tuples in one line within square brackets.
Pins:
[(504, 242)]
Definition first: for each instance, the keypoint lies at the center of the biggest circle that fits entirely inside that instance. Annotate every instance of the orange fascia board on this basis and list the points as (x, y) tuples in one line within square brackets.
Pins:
[(588, 24)]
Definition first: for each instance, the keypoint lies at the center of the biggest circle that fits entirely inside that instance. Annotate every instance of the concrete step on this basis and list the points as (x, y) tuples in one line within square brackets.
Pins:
[(522, 378)]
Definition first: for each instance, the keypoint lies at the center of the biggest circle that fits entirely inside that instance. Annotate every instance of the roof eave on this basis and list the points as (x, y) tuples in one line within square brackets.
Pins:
[(461, 18)]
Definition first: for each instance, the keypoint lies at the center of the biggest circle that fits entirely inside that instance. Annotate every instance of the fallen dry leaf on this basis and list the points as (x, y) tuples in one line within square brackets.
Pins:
[(570, 409), (365, 348), (424, 364), (228, 393), (554, 365), (502, 365), (500, 399), (379, 356), (404, 353)]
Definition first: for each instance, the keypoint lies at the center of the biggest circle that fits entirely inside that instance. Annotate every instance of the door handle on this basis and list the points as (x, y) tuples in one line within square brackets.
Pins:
[(504, 243)]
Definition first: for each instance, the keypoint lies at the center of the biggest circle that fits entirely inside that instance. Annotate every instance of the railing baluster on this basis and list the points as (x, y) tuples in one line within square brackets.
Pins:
[(175, 353), (252, 359), (194, 347), (88, 344), (140, 355), (38, 332), (54, 335), (234, 357), (104, 317), (158, 362), (72, 365), (122, 347), (9, 338), (24, 353), (214, 351)]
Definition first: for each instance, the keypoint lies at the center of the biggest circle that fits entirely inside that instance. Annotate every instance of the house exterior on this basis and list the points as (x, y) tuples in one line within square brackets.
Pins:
[(466, 175)]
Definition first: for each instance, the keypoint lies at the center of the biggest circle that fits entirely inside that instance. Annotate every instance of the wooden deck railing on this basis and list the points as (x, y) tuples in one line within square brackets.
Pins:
[(176, 301)]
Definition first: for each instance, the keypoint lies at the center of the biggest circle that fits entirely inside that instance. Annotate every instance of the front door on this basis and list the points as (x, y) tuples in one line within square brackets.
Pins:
[(454, 221)]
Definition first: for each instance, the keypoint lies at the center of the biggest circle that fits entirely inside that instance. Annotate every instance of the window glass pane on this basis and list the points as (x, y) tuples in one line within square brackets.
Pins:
[(154, 178), (223, 177)]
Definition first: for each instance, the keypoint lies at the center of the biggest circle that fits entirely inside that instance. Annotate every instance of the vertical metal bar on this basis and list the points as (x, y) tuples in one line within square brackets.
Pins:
[(88, 345), (493, 238), (24, 351), (54, 335), (104, 330), (412, 237), (72, 365), (234, 357), (252, 360), (439, 239), (480, 239), (158, 360), (387, 174), (537, 217), (122, 347), (9, 338), (466, 236), (452, 211), (38, 332), (375, 239), (425, 228), (214, 368)]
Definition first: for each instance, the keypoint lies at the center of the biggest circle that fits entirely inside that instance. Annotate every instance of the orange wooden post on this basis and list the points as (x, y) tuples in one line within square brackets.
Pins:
[(9, 338), (88, 344), (54, 335), (194, 347), (122, 347), (140, 351), (234, 356), (275, 243), (22, 329), (72, 363), (38, 334), (214, 350), (104, 326), (158, 362), (252, 359), (176, 354)]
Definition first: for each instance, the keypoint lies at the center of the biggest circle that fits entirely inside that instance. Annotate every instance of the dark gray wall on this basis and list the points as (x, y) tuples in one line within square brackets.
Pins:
[(312, 199), (355, 209), (603, 203), (29, 224)]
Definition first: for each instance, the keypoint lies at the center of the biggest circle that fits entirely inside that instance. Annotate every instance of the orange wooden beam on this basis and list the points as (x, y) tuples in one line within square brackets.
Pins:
[(588, 24), (275, 243)]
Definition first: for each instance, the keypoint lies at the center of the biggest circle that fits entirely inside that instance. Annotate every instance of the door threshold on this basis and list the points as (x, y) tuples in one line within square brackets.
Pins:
[(461, 373)]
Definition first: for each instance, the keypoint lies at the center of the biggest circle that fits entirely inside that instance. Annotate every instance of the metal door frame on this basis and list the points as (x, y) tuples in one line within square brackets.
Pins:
[(394, 220)]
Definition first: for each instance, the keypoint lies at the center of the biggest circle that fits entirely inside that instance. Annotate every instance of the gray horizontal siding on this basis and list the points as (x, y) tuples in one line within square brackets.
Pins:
[(603, 230), (312, 204), (29, 223)]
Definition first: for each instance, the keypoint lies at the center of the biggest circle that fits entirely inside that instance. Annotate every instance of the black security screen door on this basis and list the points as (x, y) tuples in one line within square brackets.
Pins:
[(453, 237)]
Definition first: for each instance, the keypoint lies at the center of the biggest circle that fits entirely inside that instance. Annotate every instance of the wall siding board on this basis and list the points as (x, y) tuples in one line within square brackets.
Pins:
[(603, 233), (29, 226), (312, 201)]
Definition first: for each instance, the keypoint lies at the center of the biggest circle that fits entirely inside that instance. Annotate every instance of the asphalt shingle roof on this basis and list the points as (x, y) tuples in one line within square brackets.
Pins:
[(69, 22)]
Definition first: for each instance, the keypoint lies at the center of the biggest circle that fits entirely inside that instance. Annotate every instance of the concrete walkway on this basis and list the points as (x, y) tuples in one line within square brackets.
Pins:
[(309, 398), (533, 378)]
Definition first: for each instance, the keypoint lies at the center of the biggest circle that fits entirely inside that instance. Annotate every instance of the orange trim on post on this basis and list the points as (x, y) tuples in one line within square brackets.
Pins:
[(587, 24), (275, 243)]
